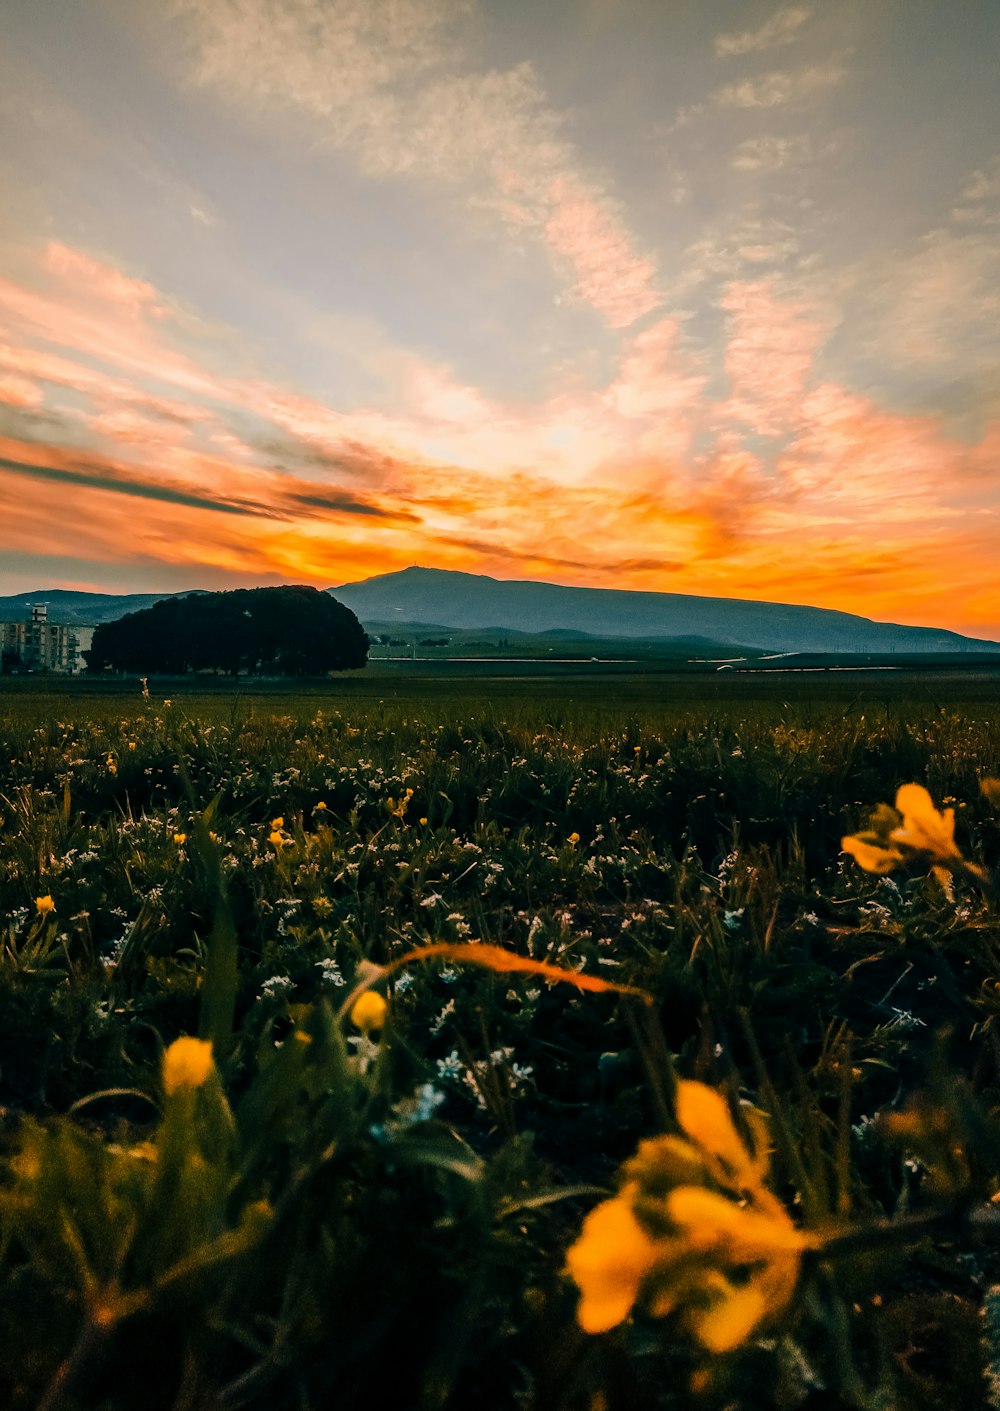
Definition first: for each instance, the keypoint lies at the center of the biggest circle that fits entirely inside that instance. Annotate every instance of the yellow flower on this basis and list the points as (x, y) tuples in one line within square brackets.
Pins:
[(573, 838), (399, 809), (277, 823), (924, 829), (187, 1063), (694, 1232), (180, 839), (276, 839), (703, 1114), (609, 1262), (914, 825), (43, 905), (369, 1012), (423, 822), (320, 807), (762, 1245), (871, 854)]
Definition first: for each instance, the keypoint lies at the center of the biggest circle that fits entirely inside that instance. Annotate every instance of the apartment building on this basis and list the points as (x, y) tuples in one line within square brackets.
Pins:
[(41, 645)]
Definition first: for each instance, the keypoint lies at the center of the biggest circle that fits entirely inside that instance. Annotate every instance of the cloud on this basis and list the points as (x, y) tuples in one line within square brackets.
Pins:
[(770, 154), (122, 483), (984, 184), (782, 87), (786, 484), (923, 318), (392, 85), (20, 392), (609, 276), (782, 28), (770, 348)]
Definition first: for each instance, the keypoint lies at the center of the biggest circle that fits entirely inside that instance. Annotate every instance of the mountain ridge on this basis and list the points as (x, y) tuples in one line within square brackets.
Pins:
[(468, 600), (451, 599)]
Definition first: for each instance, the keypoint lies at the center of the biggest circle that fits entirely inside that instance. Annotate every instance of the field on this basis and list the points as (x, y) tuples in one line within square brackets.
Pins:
[(461, 943)]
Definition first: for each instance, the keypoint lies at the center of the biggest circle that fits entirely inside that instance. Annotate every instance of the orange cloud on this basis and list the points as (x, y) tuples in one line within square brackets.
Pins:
[(647, 480)]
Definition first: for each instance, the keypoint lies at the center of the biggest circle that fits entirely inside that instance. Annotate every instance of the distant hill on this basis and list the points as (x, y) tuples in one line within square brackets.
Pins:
[(81, 609), (439, 602), (467, 600)]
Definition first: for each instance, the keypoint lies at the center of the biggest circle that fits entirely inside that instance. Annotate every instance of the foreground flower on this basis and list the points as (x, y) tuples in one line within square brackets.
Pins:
[(914, 826), (609, 1263), (44, 905), (694, 1232), (187, 1063), (924, 829), (369, 1012)]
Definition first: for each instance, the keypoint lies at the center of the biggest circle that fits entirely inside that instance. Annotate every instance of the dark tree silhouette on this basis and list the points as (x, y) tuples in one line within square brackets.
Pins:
[(291, 631)]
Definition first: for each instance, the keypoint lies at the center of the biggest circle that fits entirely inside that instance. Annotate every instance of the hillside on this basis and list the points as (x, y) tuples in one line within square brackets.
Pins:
[(536, 616), (81, 609), (468, 600)]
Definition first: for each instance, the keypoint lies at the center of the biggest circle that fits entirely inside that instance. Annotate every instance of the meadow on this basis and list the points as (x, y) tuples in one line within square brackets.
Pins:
[(429, 1039)]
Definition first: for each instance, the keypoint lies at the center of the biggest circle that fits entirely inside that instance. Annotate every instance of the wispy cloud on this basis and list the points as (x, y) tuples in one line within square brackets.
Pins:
[(393, 86), (782, 28), (782, 87), (770, 349), (651, 468), (770, 154)]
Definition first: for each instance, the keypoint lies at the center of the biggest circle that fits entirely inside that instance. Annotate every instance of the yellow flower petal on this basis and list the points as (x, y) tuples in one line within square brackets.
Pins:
[(608, 1263), (731, 1317), (743, 1235), (923, 827), (703, 1114), (873, 857)]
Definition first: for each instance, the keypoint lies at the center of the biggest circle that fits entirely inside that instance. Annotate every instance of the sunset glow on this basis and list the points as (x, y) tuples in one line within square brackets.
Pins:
[(700, 299)]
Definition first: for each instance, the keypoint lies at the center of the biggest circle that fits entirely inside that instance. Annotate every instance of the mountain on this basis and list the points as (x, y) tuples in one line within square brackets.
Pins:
[(469, 600), (81, 609), (436, 601)]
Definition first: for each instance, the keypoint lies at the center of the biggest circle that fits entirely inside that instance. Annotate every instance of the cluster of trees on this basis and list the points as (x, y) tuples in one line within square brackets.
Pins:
[(290, 631)]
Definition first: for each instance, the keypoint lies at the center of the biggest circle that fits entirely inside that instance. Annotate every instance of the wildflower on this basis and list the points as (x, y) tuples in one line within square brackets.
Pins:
[(276, 985), (330, 972), (423, 822), (873, 849), (924, 829), (609, 1263), (573, 839), (694, 1231), (913, 826), (320, 807), (277, 824), (180, 839), (398, 809), (187, 1063), (44, 905), (369, 1012)]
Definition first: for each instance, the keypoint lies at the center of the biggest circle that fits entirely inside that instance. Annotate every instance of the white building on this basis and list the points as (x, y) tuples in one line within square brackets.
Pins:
[(40, 645)]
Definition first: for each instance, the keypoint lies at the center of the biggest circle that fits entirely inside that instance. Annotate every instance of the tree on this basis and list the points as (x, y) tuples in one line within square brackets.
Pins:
[(290, 631)]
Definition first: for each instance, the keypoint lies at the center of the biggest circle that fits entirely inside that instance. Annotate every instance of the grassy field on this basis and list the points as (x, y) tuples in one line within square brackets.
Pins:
[(752, 1166)]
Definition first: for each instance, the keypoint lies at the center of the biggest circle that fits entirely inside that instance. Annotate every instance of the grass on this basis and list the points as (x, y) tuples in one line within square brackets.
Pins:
[(344, 1218)]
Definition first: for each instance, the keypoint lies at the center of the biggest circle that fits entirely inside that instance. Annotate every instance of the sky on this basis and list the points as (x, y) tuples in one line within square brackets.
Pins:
[(696, 296)]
